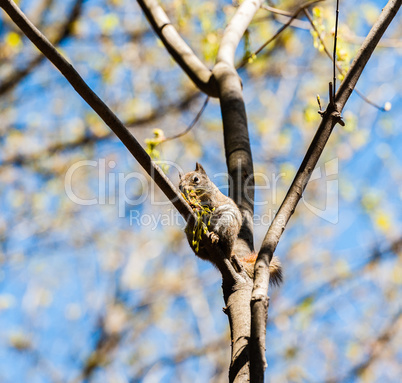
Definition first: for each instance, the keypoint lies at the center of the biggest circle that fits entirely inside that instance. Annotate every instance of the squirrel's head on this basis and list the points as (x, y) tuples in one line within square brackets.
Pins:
[(196, 181)]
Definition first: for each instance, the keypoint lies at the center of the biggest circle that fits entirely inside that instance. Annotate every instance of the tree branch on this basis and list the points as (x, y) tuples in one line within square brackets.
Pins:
[(241, 183), (116, 126), (365, 52), (235, 30), (330, 118), (98, 106), (292, 17), (178, 48), (191, 125), (235, 130), (328, 53)]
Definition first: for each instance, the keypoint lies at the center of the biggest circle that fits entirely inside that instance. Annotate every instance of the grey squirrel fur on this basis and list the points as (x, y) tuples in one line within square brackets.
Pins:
[(225, 221)]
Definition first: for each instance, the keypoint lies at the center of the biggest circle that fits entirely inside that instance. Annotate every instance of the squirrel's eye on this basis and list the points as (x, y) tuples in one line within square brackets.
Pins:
[(196, 179)]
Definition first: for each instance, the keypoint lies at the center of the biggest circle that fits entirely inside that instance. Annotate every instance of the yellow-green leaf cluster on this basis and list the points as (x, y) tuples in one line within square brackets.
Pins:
[(204, 214), (152, 143)]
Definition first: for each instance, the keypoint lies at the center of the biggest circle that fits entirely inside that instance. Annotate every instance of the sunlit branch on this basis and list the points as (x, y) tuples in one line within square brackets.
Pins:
[(178, 48), (235, 30)]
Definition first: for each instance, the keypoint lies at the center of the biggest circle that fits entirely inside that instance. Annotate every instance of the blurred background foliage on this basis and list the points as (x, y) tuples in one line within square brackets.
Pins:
[(110, 291)]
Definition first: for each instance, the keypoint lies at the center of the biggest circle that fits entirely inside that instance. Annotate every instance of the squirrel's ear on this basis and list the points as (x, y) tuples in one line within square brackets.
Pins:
[(199, 168), (180, 175)]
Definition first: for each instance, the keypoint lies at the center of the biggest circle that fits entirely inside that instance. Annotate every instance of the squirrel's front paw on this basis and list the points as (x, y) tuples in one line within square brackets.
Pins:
[(214, 237)]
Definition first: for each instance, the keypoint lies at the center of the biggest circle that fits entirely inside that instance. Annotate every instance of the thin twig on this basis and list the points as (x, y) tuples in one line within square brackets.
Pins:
[(277, 11), (334, 52), (290, 22), (372, 103), (341, 71), (246, 60), (348, 36), (282, 18), (192, 124)]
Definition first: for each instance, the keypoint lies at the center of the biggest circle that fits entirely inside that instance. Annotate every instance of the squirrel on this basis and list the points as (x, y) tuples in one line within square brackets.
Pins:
[(221, 217)]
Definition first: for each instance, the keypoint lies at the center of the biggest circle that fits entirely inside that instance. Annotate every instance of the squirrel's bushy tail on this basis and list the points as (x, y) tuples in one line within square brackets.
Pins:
[(275, 268), (275, 271)]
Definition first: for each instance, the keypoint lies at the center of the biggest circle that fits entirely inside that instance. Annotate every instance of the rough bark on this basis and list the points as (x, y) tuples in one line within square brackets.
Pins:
[(241, 174)]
